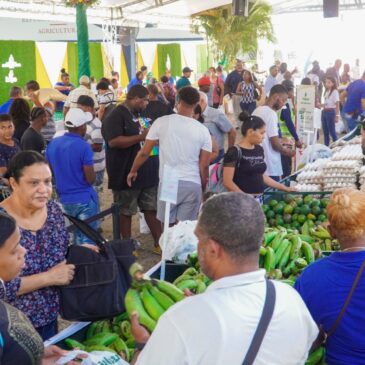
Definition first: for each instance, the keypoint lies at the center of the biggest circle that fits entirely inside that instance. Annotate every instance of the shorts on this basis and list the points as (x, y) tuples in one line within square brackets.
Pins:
[(130, 200), (189, 200)]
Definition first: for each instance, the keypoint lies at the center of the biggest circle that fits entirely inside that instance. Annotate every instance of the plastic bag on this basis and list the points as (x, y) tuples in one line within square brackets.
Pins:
[(229, 109), (143, 227), (314, 152), (181, 241), (94, 358), (340, 127)]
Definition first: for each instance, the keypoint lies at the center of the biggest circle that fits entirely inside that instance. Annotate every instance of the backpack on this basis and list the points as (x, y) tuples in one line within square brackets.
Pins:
[(215, 181)]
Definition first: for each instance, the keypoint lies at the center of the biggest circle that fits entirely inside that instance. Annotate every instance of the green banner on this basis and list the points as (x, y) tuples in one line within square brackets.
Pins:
[(17, 65), (72, 60), (82, 40), (169, 56), (96, 61), (96, 58), (204, 61)]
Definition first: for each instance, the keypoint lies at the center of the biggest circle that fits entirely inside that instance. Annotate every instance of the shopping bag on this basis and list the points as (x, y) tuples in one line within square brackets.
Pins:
[(101, 279)]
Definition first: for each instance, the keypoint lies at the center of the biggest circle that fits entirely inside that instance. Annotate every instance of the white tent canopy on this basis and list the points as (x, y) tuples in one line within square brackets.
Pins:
[(172, 14)]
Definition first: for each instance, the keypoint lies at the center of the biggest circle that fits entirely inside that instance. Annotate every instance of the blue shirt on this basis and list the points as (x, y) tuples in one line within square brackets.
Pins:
[(4, 108), (355, 92), (133, 82), (232, 81), (60, 104), (67, 155), (324, 287)]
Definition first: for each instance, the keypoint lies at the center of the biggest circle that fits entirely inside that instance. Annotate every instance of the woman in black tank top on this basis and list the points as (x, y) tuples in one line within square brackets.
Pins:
[(247, 173)]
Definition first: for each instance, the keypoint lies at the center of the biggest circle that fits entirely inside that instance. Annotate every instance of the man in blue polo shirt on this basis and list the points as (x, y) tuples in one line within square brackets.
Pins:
[(71, 160), (355, 103), (15, 93)]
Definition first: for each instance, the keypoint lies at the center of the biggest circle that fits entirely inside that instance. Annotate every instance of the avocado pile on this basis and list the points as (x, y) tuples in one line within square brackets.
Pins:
[(292, 212)]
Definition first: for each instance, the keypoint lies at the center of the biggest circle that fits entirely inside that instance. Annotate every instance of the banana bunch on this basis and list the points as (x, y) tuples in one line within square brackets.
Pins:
[(113, 336), (150, 298), (193, 280), (193, 261), (284, 254), (319, 237)]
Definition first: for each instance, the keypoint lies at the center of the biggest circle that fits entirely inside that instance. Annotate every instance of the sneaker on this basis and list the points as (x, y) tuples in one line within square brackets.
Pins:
[(157, 250)]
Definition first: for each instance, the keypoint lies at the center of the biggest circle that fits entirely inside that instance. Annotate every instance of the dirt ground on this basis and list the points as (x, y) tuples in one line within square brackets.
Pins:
[(145, 255)]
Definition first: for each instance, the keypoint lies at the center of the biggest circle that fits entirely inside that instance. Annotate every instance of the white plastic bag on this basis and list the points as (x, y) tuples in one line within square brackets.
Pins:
[(143, 227), (93, 358), (314, 152), (229, 109), (340, 127), (181, 241)]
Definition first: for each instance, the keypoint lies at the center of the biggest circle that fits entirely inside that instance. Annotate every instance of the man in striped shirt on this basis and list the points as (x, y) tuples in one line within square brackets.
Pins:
[(95, 139)]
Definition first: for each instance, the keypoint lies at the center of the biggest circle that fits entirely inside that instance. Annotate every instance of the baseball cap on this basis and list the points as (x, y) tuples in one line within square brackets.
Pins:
[(76, 118), (204, 81), (84, 80), (187, 69)]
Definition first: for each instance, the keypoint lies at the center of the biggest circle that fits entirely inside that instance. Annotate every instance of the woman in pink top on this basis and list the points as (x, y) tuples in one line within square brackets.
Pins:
[(218, 90)]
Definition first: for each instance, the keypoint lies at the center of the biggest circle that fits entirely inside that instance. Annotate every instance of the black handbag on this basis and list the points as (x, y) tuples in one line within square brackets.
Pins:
[(101, 279)]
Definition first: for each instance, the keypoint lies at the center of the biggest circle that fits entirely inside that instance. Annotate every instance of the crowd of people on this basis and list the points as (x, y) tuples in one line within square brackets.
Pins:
[(69, 141)]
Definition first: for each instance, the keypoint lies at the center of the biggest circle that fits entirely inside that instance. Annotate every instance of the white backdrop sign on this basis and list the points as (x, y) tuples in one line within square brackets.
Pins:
[(306, 95)]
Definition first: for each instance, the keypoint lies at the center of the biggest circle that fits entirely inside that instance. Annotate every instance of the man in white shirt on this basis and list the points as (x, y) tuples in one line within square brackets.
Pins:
[(185, 144), (272, 143), (217, 327), (218, 125), (73, 96), (271, 80)]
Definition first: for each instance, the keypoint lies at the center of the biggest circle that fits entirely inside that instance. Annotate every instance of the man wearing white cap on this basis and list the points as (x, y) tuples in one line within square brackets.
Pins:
[(73, 96), (71, 160)]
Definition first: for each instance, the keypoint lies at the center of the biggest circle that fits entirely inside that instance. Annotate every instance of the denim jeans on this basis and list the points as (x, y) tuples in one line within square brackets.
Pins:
[(83, 211), (99, 178), (248, 107), (328, 125), (349, 121)]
